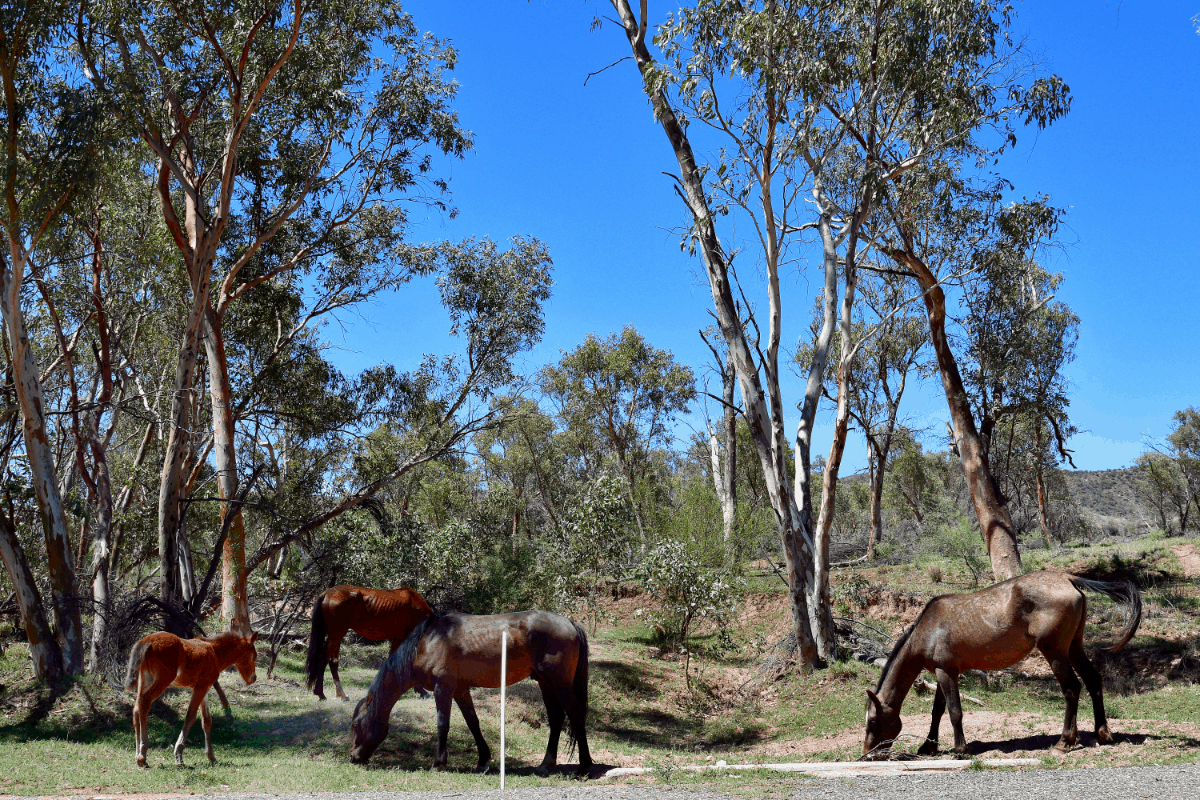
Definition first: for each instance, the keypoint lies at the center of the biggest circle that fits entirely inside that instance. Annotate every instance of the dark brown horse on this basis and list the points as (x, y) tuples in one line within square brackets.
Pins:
[(450, 653), (374, 613), (993, 629), (163, 659)]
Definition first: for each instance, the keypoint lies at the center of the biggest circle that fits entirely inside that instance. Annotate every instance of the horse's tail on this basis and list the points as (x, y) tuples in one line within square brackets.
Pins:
[(579, 686), (1125, 593), (317, 640), (136, 656)]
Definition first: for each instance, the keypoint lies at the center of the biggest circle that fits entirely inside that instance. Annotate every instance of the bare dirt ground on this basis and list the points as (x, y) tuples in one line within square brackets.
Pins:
[(1189, 558)]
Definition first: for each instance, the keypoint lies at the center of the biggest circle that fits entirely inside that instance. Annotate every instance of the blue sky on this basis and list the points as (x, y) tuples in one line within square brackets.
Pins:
[(580, 167)]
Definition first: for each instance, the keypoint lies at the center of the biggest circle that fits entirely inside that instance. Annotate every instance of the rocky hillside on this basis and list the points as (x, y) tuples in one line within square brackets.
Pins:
[(1108, 498)]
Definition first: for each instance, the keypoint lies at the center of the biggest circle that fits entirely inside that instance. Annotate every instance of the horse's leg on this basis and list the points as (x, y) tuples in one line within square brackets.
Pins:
[(206, 723), (198, 693), (1094, 684), (335, 648), (467, 707), (576, 717), (441, 698), (1060, 665), (150, 687), (948, 688), (555, 713), (140, 708), (930, 746)]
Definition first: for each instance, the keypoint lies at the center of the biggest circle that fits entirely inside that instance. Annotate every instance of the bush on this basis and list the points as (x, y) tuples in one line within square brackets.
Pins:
[(685, 591), (959, 540)]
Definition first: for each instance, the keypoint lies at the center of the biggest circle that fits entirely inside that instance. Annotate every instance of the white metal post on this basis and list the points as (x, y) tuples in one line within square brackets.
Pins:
[(503, 690)]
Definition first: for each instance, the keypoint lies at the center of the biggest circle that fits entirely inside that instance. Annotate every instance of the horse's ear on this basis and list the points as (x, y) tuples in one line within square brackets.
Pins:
[(253, 637), (874, 699)]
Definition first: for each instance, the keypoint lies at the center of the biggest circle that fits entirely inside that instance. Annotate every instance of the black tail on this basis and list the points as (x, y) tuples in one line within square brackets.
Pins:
[(317, 652), (136, 656), (579, 686), (1125, 593)]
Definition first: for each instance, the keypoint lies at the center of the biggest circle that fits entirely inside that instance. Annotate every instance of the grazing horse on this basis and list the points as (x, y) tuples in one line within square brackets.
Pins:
[(374, 613), (163, 659), (993, 629), (450, 653)]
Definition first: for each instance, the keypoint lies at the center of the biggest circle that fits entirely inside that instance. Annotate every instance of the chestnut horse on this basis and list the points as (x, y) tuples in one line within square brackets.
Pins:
[(374, 613), (450, 653), (993, 629), (163, 659)]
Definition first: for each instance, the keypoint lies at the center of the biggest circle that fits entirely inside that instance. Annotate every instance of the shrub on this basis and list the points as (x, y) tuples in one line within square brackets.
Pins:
[(686, 590), (959, 540)]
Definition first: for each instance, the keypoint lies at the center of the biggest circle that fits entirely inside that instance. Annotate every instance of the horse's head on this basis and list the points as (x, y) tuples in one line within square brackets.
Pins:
[(367, 730), (247, 658), (883, 726)]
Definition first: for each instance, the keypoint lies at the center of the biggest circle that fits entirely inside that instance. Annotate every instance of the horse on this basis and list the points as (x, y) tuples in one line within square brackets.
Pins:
[(451, 652), (163, 659), (991, 629), (374, 613)]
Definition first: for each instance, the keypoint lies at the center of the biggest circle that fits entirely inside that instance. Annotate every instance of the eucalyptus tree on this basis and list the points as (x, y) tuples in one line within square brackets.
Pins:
[(945, 229), (49, 124), (494, 300), (724, 470), (835, 102), (625, 392), (1019, 338), (1170, 470), (287, 138), (521, 456), (891, 341), (104, 298)]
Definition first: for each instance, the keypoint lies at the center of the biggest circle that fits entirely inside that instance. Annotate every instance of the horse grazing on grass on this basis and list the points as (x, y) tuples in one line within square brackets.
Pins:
[(449, 653), (374, 613), (993, 629), (163, 659)]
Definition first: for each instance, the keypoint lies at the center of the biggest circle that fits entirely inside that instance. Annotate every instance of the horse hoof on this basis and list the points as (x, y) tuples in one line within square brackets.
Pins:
[(542, 771), (1104, 737), (1061, 747), (928, 749), (141, 762)]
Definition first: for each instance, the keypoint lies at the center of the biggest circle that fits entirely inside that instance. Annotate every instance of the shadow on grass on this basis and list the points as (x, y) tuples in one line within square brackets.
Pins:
[(411, 745), (1087, 739)]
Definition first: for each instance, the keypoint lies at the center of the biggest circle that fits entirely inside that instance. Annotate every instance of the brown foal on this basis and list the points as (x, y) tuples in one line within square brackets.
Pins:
[(163, 659), (993, 629)]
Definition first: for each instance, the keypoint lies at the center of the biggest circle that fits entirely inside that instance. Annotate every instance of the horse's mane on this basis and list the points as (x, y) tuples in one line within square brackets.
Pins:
[(223, 636), (398, 667), (900, 645)]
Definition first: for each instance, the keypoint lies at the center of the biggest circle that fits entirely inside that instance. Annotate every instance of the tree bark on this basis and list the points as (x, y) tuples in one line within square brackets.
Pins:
[(43, 647), (42, 470), (795, 535), (994, 520), (234, 604)]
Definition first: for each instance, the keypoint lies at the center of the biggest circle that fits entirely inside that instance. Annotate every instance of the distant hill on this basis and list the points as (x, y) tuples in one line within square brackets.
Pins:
[(1108, 497)]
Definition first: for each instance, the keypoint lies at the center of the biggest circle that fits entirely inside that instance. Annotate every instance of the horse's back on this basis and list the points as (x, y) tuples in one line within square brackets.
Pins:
[(375, 613), (996, 627), (467, 647)]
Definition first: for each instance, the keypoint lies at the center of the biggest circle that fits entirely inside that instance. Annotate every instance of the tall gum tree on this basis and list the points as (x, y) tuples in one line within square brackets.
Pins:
[(839, 101), (47, 128), (945, 230), (754, 361), (284, 147)]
